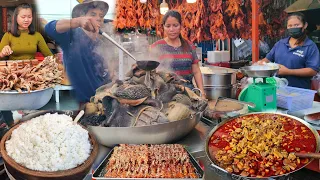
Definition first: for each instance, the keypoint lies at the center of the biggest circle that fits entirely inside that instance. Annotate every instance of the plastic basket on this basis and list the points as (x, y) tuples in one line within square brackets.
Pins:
[(294, 99)]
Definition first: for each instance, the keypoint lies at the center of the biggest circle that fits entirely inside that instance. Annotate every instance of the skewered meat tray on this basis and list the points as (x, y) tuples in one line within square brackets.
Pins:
[(149, 161)]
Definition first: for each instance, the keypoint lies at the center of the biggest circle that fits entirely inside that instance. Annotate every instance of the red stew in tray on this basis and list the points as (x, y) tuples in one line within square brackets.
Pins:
[(261, 145)]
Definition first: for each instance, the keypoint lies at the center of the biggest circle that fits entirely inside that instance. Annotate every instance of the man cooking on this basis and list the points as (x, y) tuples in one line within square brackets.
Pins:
[(78, 38)]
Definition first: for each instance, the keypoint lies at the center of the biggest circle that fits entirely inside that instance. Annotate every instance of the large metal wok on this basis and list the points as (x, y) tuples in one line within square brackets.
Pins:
[(154, 134), (226, 175)]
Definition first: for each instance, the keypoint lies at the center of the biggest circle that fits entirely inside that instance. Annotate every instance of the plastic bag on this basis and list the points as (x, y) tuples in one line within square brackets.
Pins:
[(315, 81), (244, 48), (264, 47)]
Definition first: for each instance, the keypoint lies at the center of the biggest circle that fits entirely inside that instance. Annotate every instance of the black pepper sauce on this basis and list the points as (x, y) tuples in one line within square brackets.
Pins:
[(298, 138)]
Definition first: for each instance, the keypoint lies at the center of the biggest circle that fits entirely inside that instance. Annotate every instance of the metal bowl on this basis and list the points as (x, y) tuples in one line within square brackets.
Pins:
[(13, 100), (211, 113), (154, 134), (260, 71)]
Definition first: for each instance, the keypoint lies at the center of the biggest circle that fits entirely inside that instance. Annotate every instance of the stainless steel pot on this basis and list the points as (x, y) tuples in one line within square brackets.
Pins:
[(217, 76), (154, 134), (214, 92)]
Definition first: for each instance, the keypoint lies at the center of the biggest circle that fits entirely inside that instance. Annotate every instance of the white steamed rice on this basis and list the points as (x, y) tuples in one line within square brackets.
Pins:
[(49, 143)]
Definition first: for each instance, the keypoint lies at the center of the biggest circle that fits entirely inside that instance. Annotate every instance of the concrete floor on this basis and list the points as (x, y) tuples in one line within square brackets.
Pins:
[(67, 102)]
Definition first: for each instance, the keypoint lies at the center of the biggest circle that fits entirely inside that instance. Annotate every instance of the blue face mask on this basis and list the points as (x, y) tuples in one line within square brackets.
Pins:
[(295, 32)]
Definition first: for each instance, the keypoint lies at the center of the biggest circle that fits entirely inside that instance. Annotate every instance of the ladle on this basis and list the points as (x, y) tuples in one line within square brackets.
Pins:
[(308, 155), (147, 65)]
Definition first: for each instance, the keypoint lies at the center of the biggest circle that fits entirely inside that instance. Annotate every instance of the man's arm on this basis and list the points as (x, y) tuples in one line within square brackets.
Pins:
[(86, 23)]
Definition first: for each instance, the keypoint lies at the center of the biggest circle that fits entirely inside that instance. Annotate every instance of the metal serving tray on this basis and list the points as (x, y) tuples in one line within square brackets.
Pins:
[(100, 171)]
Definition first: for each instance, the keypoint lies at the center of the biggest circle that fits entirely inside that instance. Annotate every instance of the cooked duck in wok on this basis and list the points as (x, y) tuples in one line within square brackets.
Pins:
[(132, 103)]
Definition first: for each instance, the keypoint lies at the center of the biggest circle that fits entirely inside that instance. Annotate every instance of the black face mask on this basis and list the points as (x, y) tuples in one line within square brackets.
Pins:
[(295, 32)]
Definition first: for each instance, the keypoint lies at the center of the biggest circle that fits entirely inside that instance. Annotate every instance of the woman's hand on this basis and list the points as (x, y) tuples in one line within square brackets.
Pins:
[(283, 70), (6, 51), (303, 72), (203, 94), (262, 61)]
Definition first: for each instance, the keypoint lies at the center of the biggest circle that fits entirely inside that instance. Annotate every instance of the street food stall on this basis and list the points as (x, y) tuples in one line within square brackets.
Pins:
[(125, 119)]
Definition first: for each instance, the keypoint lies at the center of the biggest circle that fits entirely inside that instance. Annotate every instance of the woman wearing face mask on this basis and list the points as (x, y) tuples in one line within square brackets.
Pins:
[(177, 54), (22, 41), (297, 55)]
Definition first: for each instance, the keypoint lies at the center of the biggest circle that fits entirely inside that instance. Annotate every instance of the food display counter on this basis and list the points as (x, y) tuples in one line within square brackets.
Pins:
[(194, 142)]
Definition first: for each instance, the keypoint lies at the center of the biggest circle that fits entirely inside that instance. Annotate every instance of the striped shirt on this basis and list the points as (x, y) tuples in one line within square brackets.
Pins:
[(175, 59)]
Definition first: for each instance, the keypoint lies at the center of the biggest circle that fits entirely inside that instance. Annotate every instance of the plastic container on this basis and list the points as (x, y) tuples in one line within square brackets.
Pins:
[(294, 99), (220, 55)]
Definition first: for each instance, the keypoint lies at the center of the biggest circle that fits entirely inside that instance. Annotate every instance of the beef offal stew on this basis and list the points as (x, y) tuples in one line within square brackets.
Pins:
[(261, 145)]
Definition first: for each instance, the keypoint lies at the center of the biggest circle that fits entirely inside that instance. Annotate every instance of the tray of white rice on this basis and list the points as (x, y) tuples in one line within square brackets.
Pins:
[(49, 146)]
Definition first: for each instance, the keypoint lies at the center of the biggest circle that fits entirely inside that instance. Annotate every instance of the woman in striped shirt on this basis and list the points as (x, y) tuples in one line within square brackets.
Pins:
[(177, 54)]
